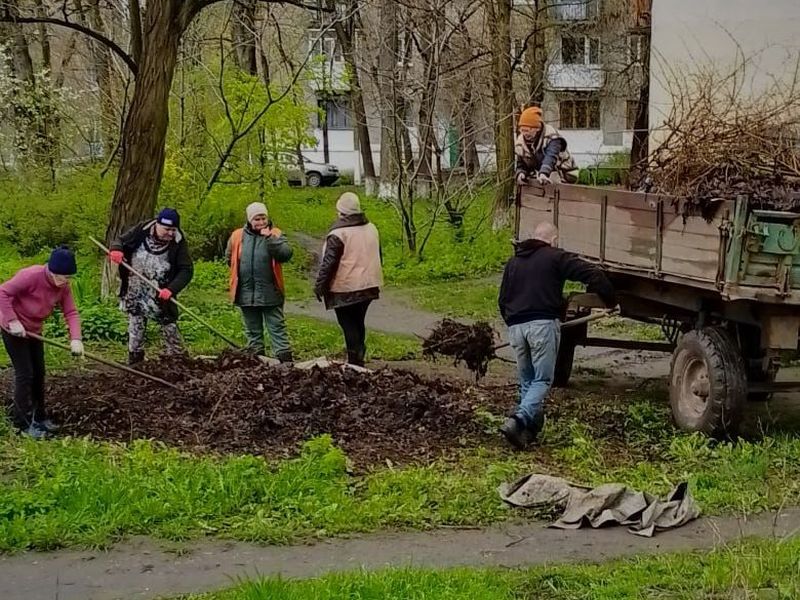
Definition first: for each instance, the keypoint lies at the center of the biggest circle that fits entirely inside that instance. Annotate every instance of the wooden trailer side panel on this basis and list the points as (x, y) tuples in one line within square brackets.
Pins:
[(628, 231)]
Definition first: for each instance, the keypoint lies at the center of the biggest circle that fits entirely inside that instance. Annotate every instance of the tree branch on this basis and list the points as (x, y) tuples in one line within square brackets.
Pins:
[(134, 68), (201, 4)]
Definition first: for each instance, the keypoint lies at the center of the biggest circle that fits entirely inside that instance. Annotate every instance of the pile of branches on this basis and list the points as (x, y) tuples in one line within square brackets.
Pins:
[(471, 344), (721, 141)]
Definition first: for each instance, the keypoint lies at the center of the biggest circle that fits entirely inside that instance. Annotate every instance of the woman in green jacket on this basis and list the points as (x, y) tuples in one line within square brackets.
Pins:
[(255, 254)]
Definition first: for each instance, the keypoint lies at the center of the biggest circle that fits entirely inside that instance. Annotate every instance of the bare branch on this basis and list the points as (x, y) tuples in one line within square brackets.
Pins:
[(126, 58)]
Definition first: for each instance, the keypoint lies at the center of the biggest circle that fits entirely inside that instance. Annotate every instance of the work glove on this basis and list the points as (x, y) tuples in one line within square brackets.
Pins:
[(16, 328), (165, 294), (116, 257), (76, 347), (522, 179), (543, 179)]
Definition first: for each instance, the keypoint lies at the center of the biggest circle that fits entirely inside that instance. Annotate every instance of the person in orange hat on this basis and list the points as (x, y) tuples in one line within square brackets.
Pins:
[(541, 151)]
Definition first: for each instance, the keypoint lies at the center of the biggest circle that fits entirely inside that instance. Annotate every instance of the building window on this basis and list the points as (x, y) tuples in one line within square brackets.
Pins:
[(580, 50), (580, 112), (325, 46), (636, 49), (574, 10), (336, 112), (633, 110)]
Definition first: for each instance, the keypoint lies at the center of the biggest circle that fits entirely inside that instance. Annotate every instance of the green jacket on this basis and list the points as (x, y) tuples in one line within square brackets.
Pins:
[(256, 284)]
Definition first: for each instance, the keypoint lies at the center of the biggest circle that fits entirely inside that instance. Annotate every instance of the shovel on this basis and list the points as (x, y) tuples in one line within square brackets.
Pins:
[(104, 361)]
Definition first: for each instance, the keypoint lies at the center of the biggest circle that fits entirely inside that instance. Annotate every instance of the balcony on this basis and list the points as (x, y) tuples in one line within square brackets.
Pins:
[(575, 77), (574, 10)]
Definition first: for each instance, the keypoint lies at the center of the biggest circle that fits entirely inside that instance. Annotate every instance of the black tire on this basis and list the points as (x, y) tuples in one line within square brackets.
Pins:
[(571, 337), (313, 179), (708, 383)]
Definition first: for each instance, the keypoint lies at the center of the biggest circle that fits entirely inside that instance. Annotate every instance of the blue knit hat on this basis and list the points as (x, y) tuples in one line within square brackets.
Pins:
[(62, 262), (169, 217)]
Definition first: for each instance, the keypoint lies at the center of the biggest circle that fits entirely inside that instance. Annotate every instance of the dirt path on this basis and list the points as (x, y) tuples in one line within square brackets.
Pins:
[(141, 569)]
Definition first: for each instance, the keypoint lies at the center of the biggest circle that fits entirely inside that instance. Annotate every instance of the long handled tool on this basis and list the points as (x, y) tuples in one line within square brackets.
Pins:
[(578, 321), (104, 361), (180, 305)]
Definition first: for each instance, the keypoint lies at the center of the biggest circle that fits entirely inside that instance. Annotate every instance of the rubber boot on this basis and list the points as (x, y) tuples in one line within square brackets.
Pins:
[(135, 357), (285, 357)]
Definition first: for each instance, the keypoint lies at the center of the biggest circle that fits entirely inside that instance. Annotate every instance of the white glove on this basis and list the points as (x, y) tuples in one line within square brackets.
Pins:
[(543, 179), (76, 347), (522, 179), (16, 328)]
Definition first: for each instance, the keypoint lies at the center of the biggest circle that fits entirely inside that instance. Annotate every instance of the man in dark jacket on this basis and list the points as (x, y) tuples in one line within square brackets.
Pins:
[(531, 303), (255, 254), (158, 250)]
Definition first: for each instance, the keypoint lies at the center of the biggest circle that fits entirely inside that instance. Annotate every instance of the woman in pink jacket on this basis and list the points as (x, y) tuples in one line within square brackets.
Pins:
[(26, 300)]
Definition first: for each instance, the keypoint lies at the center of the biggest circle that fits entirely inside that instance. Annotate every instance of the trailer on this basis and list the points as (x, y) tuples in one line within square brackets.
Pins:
[(724, 287)]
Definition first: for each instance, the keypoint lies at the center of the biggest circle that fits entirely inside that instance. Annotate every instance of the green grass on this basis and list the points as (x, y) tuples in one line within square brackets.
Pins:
[(76, 492), (749, 569)]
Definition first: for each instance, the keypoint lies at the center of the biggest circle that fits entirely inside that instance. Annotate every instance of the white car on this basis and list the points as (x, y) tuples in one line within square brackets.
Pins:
[(316, 174)]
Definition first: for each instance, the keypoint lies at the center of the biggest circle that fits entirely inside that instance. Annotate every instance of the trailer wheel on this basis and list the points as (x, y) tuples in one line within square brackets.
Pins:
[(571, 337), (708, 382)]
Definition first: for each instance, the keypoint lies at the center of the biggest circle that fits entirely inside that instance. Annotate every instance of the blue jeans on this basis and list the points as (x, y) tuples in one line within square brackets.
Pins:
[(535, 344)]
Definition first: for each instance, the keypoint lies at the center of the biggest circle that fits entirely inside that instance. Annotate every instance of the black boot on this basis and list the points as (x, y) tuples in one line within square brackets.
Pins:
[(536, 426), (515, 432), (353, 358), (285, 357), (135, 357)]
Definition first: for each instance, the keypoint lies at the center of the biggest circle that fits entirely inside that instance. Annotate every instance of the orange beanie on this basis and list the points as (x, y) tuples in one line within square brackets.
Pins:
[(531, 117)]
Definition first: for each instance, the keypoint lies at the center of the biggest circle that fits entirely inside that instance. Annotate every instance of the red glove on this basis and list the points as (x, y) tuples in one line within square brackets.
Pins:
[(165, 294), (116, 257)]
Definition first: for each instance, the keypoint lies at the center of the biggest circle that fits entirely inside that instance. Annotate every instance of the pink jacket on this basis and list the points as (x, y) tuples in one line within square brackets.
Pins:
[(30, 298)]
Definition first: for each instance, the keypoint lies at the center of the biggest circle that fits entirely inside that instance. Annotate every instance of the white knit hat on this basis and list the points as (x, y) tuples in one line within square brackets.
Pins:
[(255, 209), (348, 204)]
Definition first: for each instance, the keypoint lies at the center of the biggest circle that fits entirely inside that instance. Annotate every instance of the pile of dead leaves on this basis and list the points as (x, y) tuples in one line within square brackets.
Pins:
[(236, 404), (473, 345)]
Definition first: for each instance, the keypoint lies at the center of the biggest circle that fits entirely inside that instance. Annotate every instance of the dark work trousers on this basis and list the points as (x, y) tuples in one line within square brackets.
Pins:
[(351, 320), (27, 357)]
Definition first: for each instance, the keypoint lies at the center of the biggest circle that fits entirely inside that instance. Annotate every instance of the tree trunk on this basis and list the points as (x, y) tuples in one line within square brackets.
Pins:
[(101, 57), (537, 58), (640, 148), (468, 142), (428, 30), (243, 31), (21, 68), (135, 12), (499, 15), (387, 82), (326, 149), (145, 129), (345, 32)]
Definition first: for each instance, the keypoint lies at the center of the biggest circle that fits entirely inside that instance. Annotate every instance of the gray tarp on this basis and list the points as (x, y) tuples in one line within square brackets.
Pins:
[(613, 503)]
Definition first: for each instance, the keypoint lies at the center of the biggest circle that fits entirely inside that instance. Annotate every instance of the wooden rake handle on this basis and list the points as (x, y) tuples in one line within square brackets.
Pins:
[(104, 361)]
